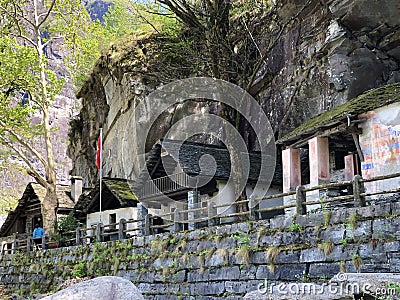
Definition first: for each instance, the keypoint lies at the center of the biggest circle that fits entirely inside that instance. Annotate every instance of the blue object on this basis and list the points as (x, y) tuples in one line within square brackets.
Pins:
[(38, 232)]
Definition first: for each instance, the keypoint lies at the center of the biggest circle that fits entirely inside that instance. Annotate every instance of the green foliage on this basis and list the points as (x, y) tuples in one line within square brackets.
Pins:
[(64, 227), (394, 286), (79, 270), (126, 17), (67, 223), (295, 227), (327, 217), (352, 220), (242, 237), (28, 84), (357, 261), (242, 7)]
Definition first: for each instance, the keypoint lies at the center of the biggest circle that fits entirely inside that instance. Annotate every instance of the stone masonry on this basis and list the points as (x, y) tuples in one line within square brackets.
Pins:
[(225, 261)]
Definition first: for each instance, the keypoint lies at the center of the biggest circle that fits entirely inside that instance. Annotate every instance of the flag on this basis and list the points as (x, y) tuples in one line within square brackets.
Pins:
[(99, 163), (98, 152)]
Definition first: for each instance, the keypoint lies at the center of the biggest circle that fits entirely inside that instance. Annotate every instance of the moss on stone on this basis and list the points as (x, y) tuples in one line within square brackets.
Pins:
[(368, 101), (121, 189)]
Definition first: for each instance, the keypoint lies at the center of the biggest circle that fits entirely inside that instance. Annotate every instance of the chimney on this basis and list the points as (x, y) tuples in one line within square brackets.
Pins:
[(76, 187)]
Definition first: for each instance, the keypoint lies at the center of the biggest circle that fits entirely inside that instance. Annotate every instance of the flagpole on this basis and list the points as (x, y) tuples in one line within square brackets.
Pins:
[(101, 168)]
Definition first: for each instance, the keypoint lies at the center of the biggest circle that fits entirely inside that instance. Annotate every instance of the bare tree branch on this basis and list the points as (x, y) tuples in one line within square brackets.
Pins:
[(31, 169), (23, 143), (49, 10)]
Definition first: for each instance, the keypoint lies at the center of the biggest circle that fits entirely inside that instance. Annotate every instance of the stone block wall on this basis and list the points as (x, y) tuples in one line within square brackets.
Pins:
[(226, 261)]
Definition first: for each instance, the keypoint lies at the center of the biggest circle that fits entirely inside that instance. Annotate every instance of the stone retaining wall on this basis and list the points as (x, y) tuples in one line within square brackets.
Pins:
[(226, 261)]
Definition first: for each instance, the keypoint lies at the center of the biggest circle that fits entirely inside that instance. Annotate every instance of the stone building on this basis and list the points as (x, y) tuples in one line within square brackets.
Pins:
[(118, 201), (358, 137), (183, 175), (28, 211)]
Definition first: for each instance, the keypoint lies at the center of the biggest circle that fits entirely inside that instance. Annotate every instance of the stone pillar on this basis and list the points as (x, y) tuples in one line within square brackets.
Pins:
[(193, 203), (142, 212), (319, 160), (319, 165), (291, 176), (349, 171)]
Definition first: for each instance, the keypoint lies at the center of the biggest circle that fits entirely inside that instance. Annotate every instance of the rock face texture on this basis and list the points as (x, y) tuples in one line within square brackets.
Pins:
[(330, 53), (106, 287)]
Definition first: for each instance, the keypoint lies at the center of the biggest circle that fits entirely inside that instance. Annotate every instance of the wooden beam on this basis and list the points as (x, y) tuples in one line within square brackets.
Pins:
[(341, 128), (359, 151), (155, 167)]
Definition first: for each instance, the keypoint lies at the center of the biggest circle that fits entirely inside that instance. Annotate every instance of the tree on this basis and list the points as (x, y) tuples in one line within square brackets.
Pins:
[(229, 33), (232, 33), (28, 85)]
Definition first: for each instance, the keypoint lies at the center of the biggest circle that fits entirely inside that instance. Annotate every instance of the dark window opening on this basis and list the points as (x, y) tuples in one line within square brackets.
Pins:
[(304, 166), (339, 160), (112, 219), (357, 165)]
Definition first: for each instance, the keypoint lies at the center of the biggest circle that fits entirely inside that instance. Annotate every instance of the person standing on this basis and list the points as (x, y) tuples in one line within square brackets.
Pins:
[(38, 232)]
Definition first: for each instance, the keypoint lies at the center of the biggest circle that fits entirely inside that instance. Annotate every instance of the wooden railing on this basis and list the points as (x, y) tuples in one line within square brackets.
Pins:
[(197, 215)]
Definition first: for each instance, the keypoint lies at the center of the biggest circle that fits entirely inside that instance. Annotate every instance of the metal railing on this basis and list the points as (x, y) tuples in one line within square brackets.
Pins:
[(198, 216), (164, 185)]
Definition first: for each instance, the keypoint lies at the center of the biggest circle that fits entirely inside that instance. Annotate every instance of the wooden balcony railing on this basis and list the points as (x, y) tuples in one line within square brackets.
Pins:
[(164, 185)]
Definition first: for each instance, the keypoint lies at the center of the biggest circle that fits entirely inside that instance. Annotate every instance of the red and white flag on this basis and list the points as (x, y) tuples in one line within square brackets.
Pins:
[(99, 163), (99, 150), (98, 153)]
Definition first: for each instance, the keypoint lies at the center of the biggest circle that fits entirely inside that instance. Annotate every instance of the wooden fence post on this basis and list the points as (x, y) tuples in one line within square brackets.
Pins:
[(15, 244), (44, 241), (301, 207), (78, 236), (147, 224), (178, 225), (121, 229), (212, 214), (28, 243), (99, 233), (358, 188), (253, 207)]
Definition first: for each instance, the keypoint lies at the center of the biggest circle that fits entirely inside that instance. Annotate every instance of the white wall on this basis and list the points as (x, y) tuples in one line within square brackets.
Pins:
[(264, 190), (121, 213), (226, 195)]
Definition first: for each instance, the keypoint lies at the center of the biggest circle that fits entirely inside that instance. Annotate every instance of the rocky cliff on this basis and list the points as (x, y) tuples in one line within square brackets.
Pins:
[(330, 53)]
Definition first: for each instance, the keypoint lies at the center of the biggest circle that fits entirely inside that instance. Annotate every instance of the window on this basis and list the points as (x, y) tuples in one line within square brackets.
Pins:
[(112, 219), (339, 160)]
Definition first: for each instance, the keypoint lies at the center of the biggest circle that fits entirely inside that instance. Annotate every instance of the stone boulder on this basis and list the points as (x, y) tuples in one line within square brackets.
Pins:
[(106, 288)]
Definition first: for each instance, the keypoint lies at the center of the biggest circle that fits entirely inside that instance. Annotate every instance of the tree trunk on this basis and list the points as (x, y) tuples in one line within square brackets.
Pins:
[(50, 202), (49, 205)]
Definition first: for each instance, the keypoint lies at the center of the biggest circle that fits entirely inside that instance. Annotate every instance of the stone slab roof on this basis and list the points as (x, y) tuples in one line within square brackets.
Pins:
[(116, 188), (188, 156)]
